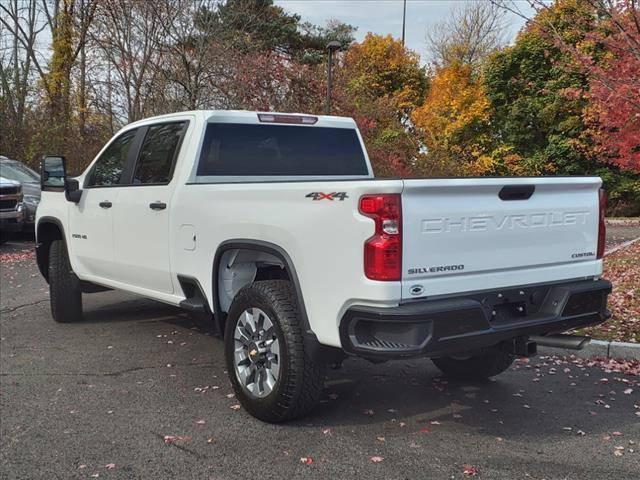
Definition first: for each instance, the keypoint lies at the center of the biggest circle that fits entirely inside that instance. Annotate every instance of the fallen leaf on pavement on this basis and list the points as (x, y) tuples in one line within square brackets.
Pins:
[(377, 459), (306, 460), (169, 439), (469, 470)]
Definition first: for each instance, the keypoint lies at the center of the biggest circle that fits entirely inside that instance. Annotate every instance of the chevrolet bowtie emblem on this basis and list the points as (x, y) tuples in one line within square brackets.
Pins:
[(253, 353)]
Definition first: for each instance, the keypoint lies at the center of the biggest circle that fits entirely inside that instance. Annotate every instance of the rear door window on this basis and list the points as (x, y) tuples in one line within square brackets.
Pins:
[(247, 150), (158, 153)]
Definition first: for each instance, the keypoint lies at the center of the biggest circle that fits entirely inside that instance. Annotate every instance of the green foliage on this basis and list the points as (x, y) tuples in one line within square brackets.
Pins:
[(537, 104), (250, 26)]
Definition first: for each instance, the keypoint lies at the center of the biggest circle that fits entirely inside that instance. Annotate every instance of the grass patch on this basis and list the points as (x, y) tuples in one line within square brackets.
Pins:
[(622, 268)]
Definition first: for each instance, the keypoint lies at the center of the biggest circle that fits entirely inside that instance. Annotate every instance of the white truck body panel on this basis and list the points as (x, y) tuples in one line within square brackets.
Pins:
[(445, 222)]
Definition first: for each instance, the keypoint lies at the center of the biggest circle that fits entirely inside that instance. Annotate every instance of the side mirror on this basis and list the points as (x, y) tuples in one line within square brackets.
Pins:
[(54, 178), (53, 174)]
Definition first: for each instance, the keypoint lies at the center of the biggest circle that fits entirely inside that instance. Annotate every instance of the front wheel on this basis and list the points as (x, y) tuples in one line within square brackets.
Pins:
[(273, 377), (64, 285), (475, 367)]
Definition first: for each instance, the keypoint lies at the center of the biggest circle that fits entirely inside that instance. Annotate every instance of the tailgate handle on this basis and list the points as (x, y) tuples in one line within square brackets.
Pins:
[(516, 192)]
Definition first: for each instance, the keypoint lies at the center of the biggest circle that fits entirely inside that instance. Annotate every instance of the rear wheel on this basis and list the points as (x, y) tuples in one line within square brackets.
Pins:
[(273, 377), (64, 285), (4, 237), (475, 367)]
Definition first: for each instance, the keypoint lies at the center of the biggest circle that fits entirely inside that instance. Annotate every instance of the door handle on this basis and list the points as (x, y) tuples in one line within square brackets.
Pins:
[(106, 204), (157, 206)]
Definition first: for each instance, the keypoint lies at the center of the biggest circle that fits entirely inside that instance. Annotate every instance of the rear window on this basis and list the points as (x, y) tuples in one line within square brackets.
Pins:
[(280, 150)]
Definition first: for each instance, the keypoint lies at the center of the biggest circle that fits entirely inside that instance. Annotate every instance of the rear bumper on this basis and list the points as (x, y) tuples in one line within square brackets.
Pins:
[(474, 321)]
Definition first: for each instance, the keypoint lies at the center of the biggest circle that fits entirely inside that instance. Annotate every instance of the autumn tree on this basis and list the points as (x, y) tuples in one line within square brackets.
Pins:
[(611, 60), (469, 35), (453, 123), (19, 26), (379, 83), (47, 102), (381, 66), (561, 97), (539, 96)]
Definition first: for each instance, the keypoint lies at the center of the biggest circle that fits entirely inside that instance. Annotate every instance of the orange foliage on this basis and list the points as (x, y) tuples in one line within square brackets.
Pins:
[(452, 120)]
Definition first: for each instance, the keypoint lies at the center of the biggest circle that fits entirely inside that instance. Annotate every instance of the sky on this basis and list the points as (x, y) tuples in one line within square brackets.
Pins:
[(385, 16)]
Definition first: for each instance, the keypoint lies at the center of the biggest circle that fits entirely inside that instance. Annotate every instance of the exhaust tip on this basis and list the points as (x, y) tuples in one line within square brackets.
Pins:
[(570, 342)]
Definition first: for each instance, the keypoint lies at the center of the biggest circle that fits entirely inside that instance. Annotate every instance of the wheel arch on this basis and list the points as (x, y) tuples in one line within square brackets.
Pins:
[(48, 230), (261, 247)]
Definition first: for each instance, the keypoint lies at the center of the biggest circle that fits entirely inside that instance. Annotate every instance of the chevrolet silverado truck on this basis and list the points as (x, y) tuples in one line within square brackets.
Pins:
[(12, 209), (274, 227)]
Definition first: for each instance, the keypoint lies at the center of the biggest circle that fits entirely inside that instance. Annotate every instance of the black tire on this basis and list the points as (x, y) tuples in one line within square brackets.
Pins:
[(476, 367), (300, 382), (4, 237), (64, 286)]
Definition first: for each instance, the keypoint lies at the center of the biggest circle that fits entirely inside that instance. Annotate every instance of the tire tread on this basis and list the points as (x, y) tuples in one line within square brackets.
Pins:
[(304, 378), (64, 286)]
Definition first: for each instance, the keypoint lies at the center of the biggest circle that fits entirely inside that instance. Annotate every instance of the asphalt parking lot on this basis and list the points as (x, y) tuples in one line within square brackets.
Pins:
[(139, 390)]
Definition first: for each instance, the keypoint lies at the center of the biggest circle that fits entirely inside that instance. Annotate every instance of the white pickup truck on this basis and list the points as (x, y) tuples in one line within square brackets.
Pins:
[(273, 226)]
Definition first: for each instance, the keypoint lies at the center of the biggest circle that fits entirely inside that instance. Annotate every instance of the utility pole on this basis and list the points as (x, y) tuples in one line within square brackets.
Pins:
[(404, 19), (332, 47)]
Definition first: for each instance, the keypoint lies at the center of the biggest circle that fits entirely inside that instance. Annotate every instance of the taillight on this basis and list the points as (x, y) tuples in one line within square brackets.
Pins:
[(602, 228), (383, 251)]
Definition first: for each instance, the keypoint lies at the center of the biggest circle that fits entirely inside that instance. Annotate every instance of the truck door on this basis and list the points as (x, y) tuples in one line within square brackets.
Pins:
[(91, 220), (141, 221)]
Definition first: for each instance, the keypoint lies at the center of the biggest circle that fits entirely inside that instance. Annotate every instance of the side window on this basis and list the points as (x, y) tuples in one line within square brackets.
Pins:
[(159, 149), (108, 169)]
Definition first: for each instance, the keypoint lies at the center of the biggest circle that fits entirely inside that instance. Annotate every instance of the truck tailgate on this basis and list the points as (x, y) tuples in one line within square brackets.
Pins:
[(477, 234)]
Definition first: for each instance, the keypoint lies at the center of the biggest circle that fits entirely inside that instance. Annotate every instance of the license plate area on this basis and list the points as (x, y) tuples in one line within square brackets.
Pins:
[(508, 312)]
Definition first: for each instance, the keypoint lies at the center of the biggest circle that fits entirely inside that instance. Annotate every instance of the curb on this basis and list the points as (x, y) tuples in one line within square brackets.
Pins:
[(598, 348), (621, 246)]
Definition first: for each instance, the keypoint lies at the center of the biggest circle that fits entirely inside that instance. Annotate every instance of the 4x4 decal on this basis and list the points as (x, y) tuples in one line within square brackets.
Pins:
[(327, 196)]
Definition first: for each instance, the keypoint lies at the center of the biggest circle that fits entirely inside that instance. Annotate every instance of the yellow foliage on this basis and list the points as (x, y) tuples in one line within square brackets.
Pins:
[(381, 67), (451, 120), (58, 80)]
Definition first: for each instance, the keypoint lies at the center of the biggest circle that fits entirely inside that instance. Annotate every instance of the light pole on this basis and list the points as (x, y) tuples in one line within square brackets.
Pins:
[(404, 16), (332, 47)]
